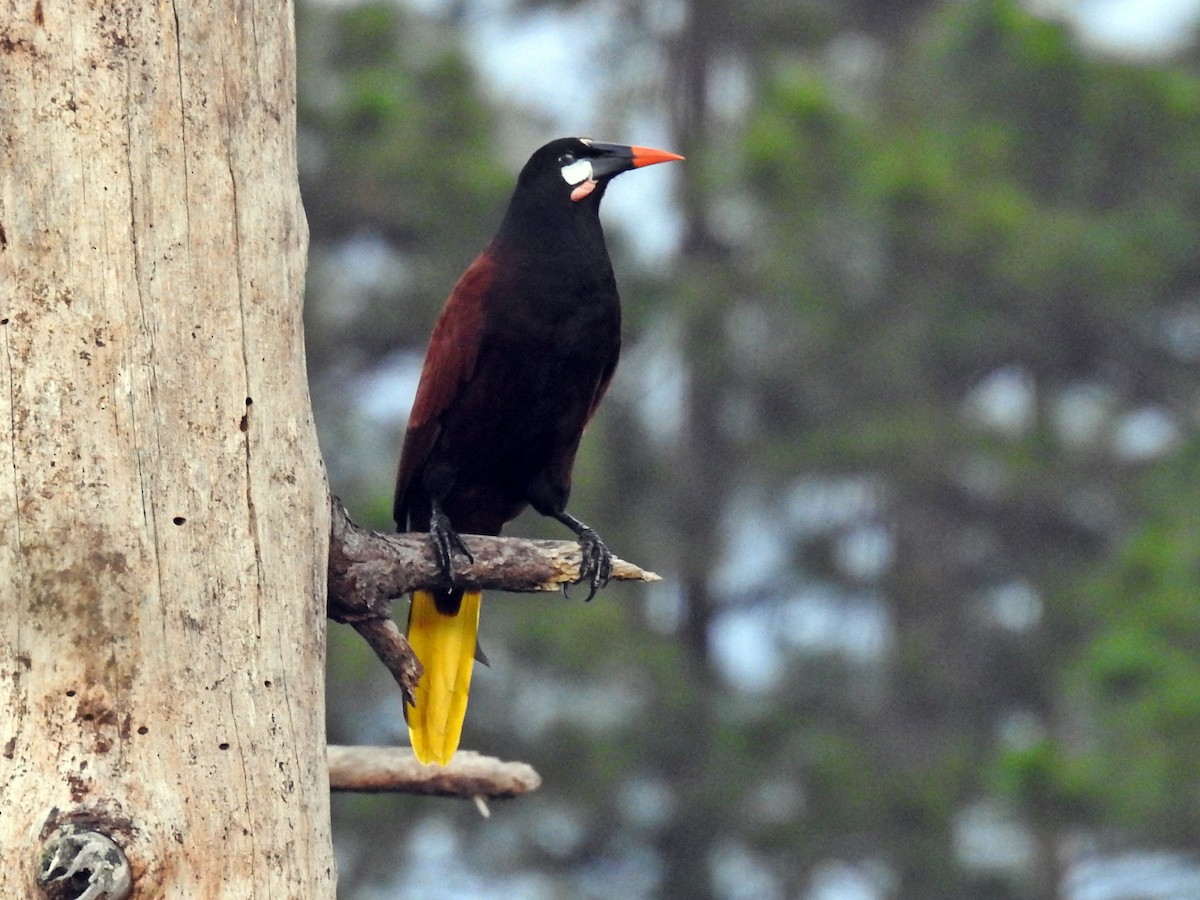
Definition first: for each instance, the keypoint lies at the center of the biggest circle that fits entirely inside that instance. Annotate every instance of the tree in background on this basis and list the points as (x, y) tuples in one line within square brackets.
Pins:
[(996, 262), (909, 422)]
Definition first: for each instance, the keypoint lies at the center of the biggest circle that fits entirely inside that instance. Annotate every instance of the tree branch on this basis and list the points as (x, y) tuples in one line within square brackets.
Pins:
[(368, 569), (468, 775)]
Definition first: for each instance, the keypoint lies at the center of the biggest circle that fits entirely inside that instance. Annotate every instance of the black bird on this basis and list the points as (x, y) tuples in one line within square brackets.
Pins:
[(518, 361)]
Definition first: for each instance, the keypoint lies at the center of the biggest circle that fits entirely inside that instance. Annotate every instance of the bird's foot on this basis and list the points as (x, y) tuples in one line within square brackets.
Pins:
[(445, 541), (595, 565)]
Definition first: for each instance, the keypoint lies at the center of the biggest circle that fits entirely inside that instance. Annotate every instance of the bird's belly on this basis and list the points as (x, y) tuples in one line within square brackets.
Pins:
[(519, 418), (523, 411)]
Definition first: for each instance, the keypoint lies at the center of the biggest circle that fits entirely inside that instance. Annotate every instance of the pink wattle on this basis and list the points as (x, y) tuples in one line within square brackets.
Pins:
[(582, 189)]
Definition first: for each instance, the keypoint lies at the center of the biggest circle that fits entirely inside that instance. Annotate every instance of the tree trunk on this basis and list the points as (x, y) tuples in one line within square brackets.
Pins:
[(163, 507)]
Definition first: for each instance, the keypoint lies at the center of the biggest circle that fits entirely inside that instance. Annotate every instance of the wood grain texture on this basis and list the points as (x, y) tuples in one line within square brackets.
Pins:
[(163, 507), (396, 770)]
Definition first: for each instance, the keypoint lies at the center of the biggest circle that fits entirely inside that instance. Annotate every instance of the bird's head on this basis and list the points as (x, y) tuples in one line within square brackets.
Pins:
[(578, 168)]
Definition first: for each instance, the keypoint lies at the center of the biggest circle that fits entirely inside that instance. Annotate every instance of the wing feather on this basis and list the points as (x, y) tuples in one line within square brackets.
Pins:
[(449, 364)]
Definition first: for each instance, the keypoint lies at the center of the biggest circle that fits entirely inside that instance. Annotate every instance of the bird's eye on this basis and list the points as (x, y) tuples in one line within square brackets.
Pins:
[(566, 159)]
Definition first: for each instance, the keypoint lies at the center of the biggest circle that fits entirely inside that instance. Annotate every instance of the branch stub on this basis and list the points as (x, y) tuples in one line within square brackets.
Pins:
[(80, 864)]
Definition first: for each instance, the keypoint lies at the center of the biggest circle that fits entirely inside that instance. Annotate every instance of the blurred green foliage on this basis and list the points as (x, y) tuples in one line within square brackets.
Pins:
[(397, 144), (928, 355)]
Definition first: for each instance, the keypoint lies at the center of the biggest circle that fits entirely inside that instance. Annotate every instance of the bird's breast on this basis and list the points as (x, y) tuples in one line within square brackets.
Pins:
[(571, 310)]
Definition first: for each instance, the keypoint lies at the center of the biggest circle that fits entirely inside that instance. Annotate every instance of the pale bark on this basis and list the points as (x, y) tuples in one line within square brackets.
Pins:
[(469, 775), (163, 508)]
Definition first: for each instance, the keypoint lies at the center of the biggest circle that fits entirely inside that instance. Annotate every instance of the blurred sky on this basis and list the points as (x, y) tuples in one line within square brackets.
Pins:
[(552, 62), (549, 64)]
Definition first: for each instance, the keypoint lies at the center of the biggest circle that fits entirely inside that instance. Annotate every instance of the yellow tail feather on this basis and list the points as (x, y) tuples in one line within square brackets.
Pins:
[(445, 645)]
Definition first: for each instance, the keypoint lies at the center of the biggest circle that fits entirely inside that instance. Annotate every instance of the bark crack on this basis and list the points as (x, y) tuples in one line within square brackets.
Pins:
[(183, 143), (242, 750), (12, 436), (147, 329), (21, 660), (247, 364)]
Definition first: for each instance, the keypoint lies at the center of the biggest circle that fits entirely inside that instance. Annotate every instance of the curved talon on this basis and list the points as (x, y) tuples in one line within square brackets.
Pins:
[(595, 566), (445, 541)]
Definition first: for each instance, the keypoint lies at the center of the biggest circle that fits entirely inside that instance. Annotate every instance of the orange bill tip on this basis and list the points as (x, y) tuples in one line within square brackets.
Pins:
[(648, 156)]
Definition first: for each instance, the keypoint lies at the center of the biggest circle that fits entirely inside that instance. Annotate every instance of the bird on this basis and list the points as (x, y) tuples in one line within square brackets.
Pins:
[(518, 360)]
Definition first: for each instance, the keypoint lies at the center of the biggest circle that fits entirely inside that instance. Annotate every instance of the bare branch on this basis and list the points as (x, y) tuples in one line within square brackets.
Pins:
[(394, 769), (384, 637), (367, 568)]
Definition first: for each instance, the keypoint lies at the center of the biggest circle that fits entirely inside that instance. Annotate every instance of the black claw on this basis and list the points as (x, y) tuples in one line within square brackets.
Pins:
[(595, 564), (595, 567), (445, 541)]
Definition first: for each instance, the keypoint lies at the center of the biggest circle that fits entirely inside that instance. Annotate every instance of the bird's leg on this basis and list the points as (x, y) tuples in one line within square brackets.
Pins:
[(445, 541), (595, 567)]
